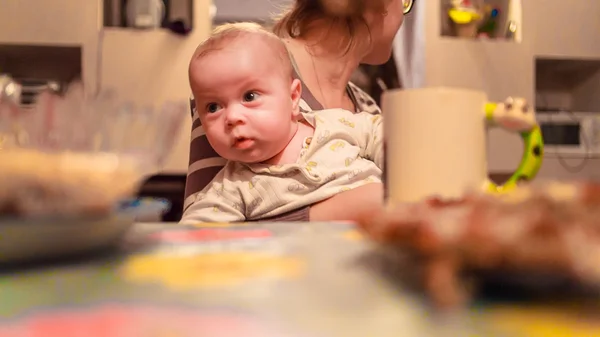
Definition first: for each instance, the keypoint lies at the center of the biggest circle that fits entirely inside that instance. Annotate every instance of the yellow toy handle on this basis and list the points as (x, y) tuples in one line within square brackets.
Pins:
[(514, 115)]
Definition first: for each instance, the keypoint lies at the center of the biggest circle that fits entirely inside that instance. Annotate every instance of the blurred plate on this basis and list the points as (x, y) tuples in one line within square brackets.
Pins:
[(23, 240)]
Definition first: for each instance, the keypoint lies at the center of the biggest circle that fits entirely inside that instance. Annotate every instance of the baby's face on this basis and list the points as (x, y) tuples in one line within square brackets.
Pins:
[(246, 102)]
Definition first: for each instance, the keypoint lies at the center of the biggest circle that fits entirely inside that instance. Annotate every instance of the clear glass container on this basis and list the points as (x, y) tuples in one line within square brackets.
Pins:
[(77, 153)]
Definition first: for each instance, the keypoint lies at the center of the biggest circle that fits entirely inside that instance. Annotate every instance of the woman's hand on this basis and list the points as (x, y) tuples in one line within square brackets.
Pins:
[(351, 205)]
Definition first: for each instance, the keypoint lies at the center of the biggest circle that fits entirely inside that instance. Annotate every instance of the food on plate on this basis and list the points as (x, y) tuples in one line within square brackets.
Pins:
[(36, 183), (539, 228)]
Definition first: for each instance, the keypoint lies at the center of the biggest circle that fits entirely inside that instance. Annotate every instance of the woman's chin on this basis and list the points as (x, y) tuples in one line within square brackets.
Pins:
[(377, 58)]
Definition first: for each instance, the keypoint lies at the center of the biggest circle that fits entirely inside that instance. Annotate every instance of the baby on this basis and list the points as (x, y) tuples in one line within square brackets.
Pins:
[(279, 158)]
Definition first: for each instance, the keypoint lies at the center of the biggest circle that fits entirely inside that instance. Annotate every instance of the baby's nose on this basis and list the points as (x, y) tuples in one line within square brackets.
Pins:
[(235, 115)]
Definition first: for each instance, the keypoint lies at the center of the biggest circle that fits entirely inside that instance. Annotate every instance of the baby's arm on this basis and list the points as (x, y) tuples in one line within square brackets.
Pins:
[(372, 138), (218, 202)]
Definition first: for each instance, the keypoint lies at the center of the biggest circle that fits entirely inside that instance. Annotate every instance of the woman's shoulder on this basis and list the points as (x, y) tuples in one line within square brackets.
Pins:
[(363, 100)]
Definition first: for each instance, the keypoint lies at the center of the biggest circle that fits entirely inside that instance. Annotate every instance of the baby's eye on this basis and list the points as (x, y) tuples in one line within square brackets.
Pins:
[(250, 96), (212, 107)]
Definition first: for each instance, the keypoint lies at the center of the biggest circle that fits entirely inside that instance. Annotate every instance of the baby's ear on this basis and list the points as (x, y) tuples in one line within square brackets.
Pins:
[(296, 94)]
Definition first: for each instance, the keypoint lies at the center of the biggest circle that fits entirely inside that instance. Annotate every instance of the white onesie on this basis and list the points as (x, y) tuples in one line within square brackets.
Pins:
[(346, 151)]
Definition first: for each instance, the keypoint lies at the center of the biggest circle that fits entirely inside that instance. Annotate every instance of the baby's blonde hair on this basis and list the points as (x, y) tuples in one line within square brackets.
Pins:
[(230, 32)]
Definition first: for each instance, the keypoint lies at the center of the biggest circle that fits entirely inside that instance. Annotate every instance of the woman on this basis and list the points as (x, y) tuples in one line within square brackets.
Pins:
[(327, 40)]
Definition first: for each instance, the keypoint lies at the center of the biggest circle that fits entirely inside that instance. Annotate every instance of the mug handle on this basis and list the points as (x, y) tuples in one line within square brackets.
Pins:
[(515, 115)]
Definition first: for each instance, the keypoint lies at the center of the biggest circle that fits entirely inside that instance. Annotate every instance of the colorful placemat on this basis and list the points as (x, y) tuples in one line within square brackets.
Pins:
[(559, 320), (140, 319), (312, 279), (213, 271)]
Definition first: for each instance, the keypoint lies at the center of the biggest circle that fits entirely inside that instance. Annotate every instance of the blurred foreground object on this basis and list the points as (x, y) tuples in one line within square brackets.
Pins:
[(540, 229), (80, 154), (36, 183)]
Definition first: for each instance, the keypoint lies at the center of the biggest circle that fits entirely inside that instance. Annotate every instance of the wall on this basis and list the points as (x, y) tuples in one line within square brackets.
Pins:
[(150, 67)]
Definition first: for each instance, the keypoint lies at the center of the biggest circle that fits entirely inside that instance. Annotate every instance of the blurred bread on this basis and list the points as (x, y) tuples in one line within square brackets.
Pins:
[(37, 183), (549, 228)]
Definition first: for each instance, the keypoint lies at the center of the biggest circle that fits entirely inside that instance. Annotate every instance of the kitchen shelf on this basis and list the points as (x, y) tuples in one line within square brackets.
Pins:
[(39, 67), (114, 13), (59, 63), (567, 84), (447, 28)]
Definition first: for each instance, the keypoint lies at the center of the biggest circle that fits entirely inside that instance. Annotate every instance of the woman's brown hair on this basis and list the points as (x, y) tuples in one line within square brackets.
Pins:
[(349, 14)]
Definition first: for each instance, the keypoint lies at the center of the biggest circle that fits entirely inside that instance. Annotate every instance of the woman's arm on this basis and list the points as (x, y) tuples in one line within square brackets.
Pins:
[(351, 205), (302, 214), (347, 206)]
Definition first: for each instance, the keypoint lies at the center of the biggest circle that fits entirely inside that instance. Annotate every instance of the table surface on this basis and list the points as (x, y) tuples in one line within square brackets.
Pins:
[(260, 279)]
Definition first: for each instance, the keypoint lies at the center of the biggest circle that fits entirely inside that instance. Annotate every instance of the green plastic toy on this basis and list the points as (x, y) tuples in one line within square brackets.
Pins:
[(515, 115)]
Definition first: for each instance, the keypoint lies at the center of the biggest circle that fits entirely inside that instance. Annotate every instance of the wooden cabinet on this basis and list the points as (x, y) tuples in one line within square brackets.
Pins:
[(40, 22)]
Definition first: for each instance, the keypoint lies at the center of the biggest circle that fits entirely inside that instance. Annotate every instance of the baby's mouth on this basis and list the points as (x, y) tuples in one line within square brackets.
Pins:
[(242, 143)]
